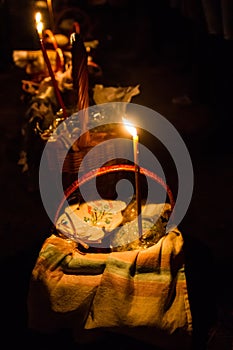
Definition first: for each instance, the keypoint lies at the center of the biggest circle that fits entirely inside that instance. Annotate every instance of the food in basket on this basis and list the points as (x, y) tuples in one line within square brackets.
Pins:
[(154, 221), (90, 221)]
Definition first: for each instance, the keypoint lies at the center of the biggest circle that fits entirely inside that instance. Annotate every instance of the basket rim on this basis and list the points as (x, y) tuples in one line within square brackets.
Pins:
[(111, 169)]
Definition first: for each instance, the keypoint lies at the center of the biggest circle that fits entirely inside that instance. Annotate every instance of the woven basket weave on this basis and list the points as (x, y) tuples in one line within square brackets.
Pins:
[(69, 163)]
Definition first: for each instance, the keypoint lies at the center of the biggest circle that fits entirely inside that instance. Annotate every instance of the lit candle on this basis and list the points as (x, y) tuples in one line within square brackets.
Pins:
[(39, 26), (133, 131)]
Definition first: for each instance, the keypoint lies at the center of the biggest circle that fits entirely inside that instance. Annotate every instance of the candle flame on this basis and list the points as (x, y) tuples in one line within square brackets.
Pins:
[(38, 17), (39, 24), (131, 129), (40, 28)]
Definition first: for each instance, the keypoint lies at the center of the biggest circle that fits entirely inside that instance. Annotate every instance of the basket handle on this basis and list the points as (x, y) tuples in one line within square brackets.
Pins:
[(60, 61), (107, 170)]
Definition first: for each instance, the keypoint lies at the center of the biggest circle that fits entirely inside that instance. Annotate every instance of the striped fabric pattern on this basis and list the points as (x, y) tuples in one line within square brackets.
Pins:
[(118, 290)]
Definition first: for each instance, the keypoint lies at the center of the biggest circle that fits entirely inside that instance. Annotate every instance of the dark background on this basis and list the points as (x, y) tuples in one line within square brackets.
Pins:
[(169, 53)]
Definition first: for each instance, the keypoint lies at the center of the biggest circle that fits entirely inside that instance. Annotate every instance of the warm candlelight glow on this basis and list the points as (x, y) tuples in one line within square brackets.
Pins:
[(39, 28), (131, 129), (38, 17), (39, 24)]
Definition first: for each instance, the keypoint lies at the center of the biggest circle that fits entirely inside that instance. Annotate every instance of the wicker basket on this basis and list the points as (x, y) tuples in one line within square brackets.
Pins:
[(73, 195), (69, 163), (67, 160), (113, 169)]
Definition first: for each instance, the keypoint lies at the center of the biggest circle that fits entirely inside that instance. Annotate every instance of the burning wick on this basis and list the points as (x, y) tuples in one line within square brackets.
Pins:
[(39, 27), (133, 131)]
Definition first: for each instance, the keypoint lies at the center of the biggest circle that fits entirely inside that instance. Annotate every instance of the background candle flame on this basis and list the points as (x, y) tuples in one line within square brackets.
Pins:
[(38, 17), (39, 24), (39, 28)]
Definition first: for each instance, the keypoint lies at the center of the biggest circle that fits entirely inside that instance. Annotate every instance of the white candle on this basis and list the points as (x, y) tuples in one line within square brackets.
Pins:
[(133, 131)]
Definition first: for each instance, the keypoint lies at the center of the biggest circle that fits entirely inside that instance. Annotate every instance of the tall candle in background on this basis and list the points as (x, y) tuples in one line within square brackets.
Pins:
[(39, 27)]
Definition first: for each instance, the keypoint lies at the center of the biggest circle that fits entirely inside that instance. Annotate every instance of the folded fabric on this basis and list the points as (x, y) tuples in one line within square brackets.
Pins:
[(142, 293)]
